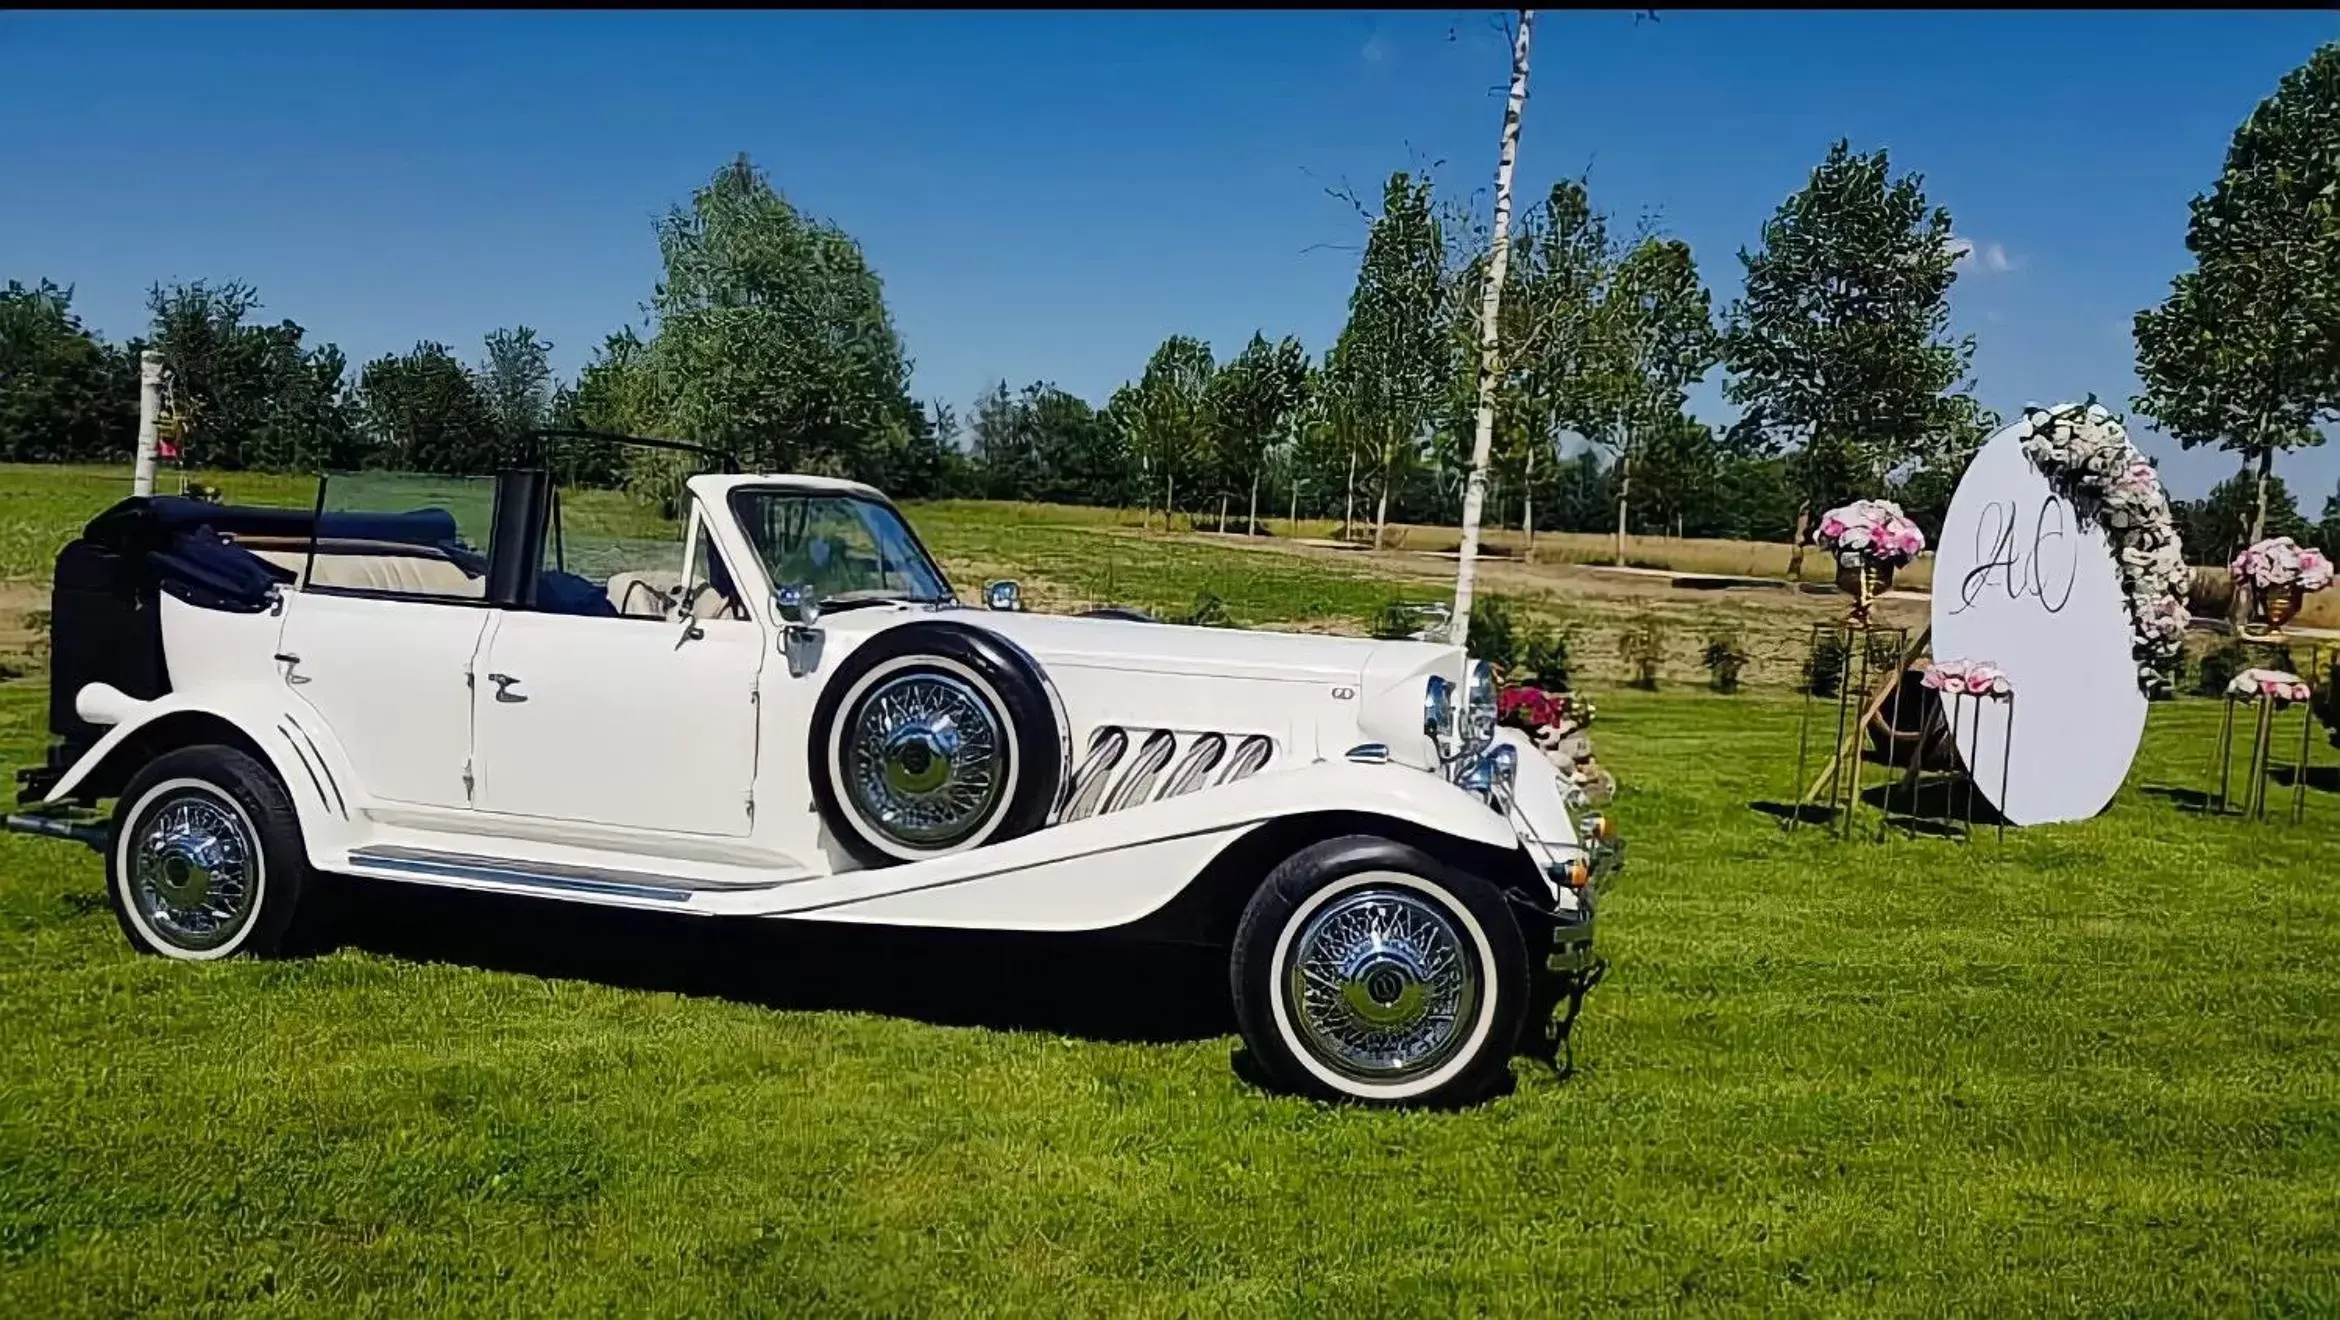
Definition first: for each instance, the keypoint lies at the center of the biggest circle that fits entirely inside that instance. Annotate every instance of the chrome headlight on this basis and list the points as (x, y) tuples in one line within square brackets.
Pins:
[(1438, 710), (1479, 707)]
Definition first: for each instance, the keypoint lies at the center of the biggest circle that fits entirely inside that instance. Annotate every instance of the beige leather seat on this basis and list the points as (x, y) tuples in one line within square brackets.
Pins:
[(411, 575)]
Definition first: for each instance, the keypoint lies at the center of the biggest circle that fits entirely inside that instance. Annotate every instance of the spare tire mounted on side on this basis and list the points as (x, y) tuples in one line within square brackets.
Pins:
[(932, 738)]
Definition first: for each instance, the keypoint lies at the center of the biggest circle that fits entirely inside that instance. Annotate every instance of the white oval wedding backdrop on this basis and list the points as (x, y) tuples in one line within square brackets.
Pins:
[(2020, 579)]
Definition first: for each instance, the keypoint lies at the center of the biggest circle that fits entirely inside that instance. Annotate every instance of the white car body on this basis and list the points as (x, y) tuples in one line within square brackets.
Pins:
[(663, 765)]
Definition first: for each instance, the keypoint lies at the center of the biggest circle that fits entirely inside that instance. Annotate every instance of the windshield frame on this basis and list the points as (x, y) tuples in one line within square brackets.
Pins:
[(735, 502)]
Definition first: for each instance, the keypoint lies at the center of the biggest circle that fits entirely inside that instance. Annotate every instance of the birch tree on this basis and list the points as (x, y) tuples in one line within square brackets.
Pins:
[(1490, 333)]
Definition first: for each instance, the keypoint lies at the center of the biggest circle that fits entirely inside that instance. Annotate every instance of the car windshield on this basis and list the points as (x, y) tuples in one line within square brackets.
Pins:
[(847, 548)]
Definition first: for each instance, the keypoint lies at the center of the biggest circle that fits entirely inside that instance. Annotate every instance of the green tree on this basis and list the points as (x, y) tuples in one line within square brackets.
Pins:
[(65, 395), (770, 339), (1656, 338), (250, 396), (2328, 531), (1255, 398), (2245, 352), (424, 411), (1396, 355), (1168, 415), (1563, 265), (2238, 512), (1838, 349), (1083, 457)]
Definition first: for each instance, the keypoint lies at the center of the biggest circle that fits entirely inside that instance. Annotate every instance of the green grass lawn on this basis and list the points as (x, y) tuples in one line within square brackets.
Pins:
[(2097, 1071)]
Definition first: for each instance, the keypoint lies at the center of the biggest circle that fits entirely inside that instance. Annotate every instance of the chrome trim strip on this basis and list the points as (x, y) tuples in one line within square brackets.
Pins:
[(303, 758), (1153, 754), (322, 768), (1106, 747), (1191, 774), (456, 866), (1251, 757)]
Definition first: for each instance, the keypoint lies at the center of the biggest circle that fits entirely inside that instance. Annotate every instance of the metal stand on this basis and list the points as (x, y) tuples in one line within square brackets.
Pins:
[(1969, 707), (2262, 723), (1869, 649)]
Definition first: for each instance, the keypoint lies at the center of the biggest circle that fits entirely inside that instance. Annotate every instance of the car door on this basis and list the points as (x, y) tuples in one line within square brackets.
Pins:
[(389, 677), (637, 722)]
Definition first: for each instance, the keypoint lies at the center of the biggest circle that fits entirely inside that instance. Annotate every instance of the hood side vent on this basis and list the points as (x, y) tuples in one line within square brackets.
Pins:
[(1106, 748), (1251, 756), (1194, 772), (1138, 784)]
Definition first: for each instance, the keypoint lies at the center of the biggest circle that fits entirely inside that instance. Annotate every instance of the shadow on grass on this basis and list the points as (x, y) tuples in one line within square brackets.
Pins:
[(1942, 807), (2194, 800), (2320, 778), (1092, 987)]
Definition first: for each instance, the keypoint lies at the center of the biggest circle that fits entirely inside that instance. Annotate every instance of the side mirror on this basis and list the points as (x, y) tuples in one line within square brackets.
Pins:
[(799, 608), (797, 605), (1003, 595)]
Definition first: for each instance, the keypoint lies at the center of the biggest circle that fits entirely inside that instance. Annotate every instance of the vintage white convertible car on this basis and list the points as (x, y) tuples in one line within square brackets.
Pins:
[(787, 713)]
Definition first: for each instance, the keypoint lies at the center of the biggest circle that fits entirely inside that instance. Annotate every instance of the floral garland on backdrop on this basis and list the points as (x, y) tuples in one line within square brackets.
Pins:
[(2085, 454)]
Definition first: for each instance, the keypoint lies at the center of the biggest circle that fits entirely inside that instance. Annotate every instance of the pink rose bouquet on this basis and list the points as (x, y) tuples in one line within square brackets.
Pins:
[(2284, 688), (1972, 678), (2280, 561), (1875, 530)]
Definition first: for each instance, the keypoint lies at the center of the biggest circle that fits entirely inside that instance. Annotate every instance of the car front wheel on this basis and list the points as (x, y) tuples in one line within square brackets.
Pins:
[(1366, 970), (206, 859)]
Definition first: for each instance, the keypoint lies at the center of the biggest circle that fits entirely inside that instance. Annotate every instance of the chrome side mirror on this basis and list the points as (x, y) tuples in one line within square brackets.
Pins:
[(798, 605), (799, 608), (1003, 595)]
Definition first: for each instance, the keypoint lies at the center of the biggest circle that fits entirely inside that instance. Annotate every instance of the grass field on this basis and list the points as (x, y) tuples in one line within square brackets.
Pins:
[(2093, 1071)]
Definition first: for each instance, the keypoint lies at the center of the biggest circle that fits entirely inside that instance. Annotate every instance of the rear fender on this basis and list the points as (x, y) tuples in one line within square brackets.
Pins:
[(258, 721)]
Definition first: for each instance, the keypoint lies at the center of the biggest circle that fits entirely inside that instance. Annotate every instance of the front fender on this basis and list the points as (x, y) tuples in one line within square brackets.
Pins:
[(260, 720)]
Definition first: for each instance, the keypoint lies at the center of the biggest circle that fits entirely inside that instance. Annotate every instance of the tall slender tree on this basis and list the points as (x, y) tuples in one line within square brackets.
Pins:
[(1838, 349), (1490, 357), (1657, 339), (1393, 355), (2245, 352)]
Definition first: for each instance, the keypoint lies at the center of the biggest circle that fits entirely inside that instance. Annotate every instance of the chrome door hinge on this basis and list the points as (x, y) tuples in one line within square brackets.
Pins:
[(751, 805), (467, 779)]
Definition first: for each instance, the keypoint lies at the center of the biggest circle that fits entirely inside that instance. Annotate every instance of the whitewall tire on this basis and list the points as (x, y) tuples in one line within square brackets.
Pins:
[(1366, 970), (205, 861)]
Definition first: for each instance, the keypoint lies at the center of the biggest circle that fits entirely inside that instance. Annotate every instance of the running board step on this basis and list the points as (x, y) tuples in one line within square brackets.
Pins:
[(426, 863)]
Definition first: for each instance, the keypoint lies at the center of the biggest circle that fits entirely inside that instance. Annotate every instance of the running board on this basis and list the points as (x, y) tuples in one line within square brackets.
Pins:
[(428, 864)]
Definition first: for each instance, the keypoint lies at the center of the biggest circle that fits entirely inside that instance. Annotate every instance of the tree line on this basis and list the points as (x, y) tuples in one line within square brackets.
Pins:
[(769, 336)]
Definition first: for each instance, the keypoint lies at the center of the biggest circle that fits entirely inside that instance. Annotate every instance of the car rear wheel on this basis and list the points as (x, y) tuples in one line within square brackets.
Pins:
[(206, 859), (1366, 970)]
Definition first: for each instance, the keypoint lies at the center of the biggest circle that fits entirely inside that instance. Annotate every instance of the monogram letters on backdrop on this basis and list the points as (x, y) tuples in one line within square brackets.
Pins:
[(2021, 579)]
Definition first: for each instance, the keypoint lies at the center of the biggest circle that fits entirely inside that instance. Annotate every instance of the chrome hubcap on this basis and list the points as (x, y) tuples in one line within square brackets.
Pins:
[(1383, 984), (192, 872), (925, 760)]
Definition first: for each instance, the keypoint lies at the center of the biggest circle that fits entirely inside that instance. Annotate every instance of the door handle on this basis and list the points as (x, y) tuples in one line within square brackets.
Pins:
[(504, 690), (290, 662)]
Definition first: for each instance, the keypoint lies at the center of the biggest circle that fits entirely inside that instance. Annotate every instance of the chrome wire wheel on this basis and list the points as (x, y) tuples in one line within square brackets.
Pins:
[(1383, 984), (926, 760), (194, 870)]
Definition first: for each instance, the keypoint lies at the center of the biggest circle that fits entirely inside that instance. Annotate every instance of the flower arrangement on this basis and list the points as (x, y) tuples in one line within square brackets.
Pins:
[(2085, 454), (1532, 709), (1556, 722), (2284, 688), (1972, 678), (2279, 562), (1871, 531)]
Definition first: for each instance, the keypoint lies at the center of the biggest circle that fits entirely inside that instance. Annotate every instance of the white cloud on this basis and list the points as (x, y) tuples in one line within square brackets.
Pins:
[(1969, 254)]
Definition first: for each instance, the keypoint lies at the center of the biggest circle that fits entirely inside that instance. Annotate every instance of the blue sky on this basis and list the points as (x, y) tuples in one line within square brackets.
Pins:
[(1048, 195)]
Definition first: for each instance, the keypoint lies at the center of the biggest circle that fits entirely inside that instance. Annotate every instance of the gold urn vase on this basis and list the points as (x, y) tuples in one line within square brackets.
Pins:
[(1864, 580)]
